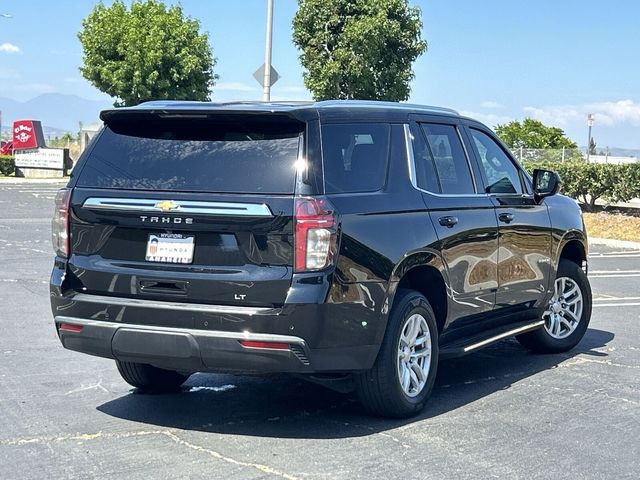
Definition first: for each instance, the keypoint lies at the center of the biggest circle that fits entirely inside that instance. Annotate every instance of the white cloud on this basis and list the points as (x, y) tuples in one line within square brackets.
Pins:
[(35, 88), (606, 113), (489, 119), (291, 89), (491, 104), (234, 87), (72, 79), (8, 74), (290, 92), (9, 48)]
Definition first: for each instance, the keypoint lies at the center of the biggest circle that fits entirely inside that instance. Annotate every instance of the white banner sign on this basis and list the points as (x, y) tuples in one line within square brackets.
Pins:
[(40, 158)]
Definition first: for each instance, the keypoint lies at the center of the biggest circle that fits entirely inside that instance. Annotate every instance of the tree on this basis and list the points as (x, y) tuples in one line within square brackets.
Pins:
[(592, 146), (533, 134), (146, 53), (358, 49)]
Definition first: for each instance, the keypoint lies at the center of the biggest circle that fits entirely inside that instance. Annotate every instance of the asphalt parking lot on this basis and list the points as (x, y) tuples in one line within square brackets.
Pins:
[(499, 413)]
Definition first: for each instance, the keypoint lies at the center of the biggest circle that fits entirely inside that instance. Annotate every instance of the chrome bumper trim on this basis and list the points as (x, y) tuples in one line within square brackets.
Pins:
[(187, 307), (259, 337)]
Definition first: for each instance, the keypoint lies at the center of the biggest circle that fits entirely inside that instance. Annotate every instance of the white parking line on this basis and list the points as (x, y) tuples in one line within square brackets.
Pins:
[(634, 304), (615, 276), (606, 257), (603, 272), (611, 298), (621, 252)]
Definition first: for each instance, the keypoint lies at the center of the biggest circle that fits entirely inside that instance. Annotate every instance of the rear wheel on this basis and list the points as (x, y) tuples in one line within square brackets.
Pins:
[(403, 375), (567, 315), (150, 378)]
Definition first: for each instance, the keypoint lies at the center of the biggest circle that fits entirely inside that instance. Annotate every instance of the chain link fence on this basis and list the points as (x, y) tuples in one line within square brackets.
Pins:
[(549, 155), (567, 155)]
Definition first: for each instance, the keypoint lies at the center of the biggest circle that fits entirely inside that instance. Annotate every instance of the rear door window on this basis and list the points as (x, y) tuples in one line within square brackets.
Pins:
[(449, 158), (243, 156), (355, 157)]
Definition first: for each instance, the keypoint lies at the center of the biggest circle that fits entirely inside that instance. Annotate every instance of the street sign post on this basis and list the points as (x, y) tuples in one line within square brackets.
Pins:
[(259, 75)]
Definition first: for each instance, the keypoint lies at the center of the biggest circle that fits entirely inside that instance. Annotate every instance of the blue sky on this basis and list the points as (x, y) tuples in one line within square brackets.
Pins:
[(492, 59)]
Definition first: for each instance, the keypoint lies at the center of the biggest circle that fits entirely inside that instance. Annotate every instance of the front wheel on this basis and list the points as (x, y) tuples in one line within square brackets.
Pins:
[(566, 316), (403, 375)]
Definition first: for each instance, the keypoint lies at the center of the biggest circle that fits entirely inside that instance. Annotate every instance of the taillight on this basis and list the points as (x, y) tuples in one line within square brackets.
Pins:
[(60, 223), (315, 236), (265, 345)]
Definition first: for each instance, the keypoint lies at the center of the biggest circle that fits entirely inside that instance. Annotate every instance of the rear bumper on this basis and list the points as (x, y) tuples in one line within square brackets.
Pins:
[(207, 338), (184, 349)]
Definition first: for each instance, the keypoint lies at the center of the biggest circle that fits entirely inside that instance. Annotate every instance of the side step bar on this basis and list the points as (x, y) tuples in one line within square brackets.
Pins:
[(468, 345)]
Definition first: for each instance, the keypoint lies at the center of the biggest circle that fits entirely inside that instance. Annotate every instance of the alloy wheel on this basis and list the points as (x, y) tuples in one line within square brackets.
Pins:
[(414, 355), (565, 309)]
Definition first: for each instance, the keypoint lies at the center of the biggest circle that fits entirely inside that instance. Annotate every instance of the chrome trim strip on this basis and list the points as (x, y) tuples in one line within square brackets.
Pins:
[(260, 337), (185, 307), (410, 158), (507, 334), (182, 207)]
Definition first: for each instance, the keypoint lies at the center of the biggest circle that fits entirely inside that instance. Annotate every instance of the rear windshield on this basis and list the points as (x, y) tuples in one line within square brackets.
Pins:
[(244, 156)]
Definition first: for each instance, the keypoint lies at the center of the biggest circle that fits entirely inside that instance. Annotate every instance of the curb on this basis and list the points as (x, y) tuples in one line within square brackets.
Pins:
[(608, 242)]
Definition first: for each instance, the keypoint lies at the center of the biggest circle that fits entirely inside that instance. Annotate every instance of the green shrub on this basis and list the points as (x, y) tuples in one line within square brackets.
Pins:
[(589, 182), (7, 165)]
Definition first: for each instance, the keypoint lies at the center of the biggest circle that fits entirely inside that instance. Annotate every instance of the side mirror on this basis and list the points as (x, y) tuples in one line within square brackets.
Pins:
[(545, 183)]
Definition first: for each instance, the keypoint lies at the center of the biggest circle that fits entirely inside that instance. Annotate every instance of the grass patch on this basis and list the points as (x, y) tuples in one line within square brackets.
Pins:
[(617, 226)]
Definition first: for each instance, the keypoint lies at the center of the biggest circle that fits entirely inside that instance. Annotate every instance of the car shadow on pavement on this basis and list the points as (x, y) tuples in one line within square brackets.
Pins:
[(286, 407)]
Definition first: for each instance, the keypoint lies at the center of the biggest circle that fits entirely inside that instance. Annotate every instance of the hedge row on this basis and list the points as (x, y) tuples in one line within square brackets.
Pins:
[(7, 165), (589, 182)]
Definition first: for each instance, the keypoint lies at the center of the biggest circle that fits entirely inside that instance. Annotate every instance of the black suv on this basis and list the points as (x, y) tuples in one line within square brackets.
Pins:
[(350, 240)]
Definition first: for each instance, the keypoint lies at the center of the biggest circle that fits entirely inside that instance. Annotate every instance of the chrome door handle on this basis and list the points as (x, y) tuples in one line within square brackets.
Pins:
[(506, 217), (448, 221)]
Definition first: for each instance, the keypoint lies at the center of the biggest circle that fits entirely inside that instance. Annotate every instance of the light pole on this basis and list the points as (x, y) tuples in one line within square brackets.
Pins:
[(266, 83), (590, 118)]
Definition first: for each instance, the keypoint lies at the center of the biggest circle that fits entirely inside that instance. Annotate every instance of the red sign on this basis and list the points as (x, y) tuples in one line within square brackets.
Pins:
[(6, 148), (27, 135)]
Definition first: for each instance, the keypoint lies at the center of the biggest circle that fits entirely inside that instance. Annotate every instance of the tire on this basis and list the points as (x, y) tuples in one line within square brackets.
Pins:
[(379, 389), (556, 336), (149, 378)]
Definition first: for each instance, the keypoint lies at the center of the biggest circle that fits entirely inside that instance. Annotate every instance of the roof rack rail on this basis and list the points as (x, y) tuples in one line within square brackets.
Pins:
[(375, 103)]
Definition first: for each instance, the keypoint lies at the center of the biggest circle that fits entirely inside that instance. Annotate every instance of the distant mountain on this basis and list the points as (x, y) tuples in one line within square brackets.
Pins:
[(61, 113), (616, 152)]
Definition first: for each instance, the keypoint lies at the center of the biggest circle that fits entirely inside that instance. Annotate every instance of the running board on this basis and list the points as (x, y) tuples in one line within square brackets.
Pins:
[(468, 345)]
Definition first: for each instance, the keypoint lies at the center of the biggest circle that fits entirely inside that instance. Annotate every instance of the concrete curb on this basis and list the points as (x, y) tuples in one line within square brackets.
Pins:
[(608, 242)]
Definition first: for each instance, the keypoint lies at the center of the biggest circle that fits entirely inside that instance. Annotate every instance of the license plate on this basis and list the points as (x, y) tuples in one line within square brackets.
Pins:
[(170, 248)]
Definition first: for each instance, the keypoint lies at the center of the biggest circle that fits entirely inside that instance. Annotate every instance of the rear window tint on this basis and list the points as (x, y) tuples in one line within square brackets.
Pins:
[(195, 155), (355, 157)]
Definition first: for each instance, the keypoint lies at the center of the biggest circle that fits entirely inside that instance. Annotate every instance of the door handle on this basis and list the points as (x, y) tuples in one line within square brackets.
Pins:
[(448, 221), (506, 217)]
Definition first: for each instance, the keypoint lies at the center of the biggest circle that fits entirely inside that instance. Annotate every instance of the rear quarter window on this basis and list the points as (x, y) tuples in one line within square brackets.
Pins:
[(355, 157)]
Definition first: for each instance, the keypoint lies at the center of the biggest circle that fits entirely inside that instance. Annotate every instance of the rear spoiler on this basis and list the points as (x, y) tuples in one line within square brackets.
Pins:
[(200, 110)]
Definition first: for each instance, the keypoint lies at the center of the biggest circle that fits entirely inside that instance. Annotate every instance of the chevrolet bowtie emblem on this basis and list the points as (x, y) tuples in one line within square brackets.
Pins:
[(166, 205)]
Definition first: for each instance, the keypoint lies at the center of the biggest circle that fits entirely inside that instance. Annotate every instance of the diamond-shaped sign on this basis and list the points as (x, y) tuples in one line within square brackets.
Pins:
[(259, 75)]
